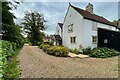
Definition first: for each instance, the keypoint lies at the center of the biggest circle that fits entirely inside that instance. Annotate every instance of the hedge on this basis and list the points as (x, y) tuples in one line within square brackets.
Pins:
[(8, 68)]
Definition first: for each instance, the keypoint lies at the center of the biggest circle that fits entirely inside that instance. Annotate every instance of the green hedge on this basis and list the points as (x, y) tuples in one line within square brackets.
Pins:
[(8, 68)]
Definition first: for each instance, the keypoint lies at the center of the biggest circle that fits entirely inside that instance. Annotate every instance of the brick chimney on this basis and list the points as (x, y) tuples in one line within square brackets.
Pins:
[(89, 8)]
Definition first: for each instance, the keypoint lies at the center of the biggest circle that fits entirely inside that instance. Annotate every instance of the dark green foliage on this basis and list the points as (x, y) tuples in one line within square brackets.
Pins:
[(11, 70), (74, 51), (7, 48), (34, 24), (103, 52), (50, 43), (41, 46), (10, 31), (100, 52), (45, 47), (14, 46), (8, 62), (87, 51), (58, 51)]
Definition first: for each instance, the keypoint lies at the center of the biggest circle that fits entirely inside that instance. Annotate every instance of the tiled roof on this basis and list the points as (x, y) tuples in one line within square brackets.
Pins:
[(61, 25), (94, 17)]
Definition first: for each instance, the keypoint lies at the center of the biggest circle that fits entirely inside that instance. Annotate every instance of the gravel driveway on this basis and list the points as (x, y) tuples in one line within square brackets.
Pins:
[(34, 63)]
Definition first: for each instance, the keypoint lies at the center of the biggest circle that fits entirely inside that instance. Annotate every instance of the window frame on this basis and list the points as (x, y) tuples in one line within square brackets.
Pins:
[(94, 39), (73, 40)]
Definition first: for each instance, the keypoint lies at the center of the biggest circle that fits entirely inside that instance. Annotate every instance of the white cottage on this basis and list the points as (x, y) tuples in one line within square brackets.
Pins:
[(58, 34), (80, 28)]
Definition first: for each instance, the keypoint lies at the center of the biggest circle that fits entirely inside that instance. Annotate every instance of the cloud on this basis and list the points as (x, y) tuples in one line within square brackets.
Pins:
[(54, 12)]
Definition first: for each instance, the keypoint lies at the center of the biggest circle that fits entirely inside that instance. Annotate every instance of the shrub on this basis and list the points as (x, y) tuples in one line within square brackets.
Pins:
[(41, 46), (103, 52), (87, 50), (74, 51), (14, 46), (58, 51), (45, 47), (51, 43), (6, 47), (39, 43), (8, 68)]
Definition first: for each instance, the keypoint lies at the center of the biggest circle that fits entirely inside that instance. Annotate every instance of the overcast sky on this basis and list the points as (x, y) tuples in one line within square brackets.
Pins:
[(54, 12)]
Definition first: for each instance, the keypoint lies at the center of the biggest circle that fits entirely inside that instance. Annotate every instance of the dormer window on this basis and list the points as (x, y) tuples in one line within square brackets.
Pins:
[(70, 28)]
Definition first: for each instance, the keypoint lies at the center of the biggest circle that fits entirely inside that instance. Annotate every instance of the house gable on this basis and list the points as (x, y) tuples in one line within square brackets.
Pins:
[(73, 20), (93, 17)]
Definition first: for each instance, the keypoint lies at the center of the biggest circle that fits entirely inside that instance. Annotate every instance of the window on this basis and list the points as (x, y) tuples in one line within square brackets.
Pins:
[(94, 39), (94, 26), (70, 28), (73, 39)]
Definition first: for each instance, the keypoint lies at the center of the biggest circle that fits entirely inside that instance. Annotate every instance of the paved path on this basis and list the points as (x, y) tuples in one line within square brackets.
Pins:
[(34, 63)]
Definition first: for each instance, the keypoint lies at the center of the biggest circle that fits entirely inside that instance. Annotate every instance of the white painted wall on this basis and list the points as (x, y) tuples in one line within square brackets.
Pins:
[(82, 29), (88, 32), (73, 17)]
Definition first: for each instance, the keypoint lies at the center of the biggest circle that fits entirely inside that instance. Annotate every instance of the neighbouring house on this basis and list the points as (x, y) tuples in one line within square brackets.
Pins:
[(57, 37), (46, 39), (83, 28)]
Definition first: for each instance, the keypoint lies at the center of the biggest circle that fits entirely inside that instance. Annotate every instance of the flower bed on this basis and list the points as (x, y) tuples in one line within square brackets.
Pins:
[(55, 50)]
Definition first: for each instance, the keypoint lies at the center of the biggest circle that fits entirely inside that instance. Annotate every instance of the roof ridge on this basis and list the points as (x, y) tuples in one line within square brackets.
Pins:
[(93, 16)]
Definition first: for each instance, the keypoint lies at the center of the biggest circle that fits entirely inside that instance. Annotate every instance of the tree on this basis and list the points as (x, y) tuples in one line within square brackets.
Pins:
[(115, 22), (34, 23), (10, 31)]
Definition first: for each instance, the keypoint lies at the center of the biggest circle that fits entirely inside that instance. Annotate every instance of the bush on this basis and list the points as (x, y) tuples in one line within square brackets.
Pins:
[(103, 52), (74, 51), (45, 47), (51, 43), (14, 46), (41, 46), (39, 43), (58, 51), (8, 68), (7, 48), (87, 50)]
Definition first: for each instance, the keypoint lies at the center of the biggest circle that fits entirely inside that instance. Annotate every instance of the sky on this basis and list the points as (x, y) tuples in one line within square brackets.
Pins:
[(54, 12)]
